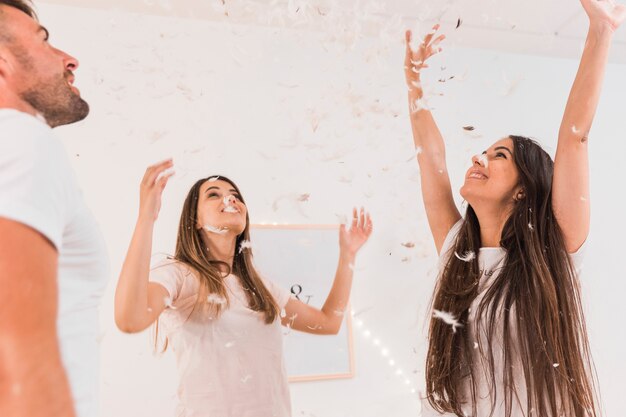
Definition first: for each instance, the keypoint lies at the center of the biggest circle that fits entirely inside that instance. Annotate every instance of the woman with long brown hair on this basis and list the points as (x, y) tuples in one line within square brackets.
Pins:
[(508, 335), (220, 316)]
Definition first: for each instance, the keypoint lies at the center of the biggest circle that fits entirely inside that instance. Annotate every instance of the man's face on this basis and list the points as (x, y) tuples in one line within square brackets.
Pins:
[(39, 74)]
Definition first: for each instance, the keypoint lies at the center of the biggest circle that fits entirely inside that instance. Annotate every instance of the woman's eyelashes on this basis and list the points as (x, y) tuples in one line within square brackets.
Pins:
[(497, 155), (218, 195)]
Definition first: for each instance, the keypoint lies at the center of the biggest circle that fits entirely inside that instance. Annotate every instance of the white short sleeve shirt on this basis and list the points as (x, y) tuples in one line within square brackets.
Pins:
[(38, 189)]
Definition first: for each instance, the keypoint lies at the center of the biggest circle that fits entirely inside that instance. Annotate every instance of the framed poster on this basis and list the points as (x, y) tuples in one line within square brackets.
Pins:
[(303, 259)]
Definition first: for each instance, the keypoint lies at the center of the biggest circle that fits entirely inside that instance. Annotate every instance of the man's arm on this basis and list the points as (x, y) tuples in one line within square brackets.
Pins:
[(32, 378)]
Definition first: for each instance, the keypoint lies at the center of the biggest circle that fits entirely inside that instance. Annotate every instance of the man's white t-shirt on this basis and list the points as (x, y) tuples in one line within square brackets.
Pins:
[(38, 189)]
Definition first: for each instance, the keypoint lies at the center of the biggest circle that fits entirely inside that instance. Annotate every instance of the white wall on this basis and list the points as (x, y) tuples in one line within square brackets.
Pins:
[(287, 112)]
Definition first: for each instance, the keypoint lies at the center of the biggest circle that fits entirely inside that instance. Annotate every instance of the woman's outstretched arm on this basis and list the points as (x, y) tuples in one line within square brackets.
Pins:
[(138, 302), (327, 320), (570, 190), (441, 210)]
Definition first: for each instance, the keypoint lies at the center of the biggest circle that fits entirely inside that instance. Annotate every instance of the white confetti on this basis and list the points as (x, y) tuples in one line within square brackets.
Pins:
[(216, 230), (556, 365), (419, 104), (245, 244), (229, 344), (510, 86), (213, 179), (246, 378), (418, 151), (168, 303), (447, 318), (484, 161), (296, 200), (215, 299), (531, 227), (466, 257), (416, 84)]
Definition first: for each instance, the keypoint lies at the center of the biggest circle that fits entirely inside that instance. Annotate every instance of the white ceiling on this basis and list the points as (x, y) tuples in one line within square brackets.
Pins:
[(542, 27)]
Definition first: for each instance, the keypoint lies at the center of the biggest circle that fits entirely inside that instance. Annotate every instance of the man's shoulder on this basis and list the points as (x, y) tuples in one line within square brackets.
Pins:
[(25, 136), (20, 122)]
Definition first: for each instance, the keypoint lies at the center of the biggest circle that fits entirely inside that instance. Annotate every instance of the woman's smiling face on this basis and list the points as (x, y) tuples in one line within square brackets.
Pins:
[(221, 207)]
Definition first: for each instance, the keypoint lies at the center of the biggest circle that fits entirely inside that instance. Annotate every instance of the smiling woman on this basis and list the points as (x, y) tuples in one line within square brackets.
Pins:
[(521, 347), (219, 315)]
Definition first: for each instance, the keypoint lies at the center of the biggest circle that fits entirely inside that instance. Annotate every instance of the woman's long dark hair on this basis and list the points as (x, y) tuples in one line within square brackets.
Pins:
[(533, 305)]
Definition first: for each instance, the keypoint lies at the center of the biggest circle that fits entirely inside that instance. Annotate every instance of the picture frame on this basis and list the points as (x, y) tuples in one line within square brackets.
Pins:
[(303, 260)]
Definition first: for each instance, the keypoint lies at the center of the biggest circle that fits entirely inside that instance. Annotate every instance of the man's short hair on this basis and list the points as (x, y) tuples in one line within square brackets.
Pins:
[(23, 5)]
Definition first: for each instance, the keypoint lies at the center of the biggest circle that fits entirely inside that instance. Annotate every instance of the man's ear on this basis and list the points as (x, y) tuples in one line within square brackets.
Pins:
[(6, 63)]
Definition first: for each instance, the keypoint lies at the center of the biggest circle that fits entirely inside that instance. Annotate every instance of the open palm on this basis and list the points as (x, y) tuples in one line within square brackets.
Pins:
[(415, 60), (351, 240)]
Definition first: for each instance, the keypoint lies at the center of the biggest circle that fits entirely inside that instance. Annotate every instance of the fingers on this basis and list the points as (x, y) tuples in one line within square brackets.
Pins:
[(369, 226), (437, 41), (415, 61), (409, 51), (355, 219), (153, 171), (361, 221), (362, 218), (162, 181), (428, 38)]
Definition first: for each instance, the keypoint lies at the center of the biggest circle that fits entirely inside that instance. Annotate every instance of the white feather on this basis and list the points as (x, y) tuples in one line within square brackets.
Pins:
[(168, 303), (466, 257), (245, 244), (216, 230), (215, 299), (447, 318), (484, 161)]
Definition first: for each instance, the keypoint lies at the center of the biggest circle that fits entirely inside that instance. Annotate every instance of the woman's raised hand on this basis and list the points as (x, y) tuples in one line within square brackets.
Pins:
[(605, 13), (152, 186), (351, 240), (415, 60)]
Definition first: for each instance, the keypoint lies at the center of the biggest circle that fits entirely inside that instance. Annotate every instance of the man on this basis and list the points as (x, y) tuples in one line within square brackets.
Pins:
[(53, 264)]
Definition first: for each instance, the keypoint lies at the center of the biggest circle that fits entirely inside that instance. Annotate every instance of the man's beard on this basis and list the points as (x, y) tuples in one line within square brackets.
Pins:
[(56, 102)]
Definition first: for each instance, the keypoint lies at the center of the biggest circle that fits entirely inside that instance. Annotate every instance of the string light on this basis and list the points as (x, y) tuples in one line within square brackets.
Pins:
[(384, 351)]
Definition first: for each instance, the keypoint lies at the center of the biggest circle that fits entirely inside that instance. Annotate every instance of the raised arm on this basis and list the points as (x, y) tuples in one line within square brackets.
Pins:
[(327, 320), (570, 190), (138, 302), (441, 210), (32, 379)]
